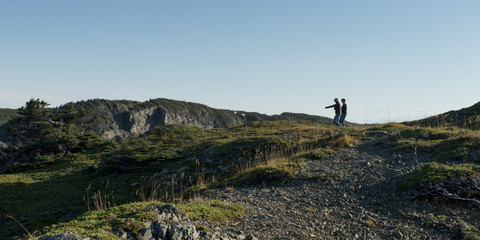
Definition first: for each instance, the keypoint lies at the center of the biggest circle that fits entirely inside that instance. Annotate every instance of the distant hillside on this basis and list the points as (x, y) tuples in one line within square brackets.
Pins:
[(7, 114), (463, 118), (115, 119)]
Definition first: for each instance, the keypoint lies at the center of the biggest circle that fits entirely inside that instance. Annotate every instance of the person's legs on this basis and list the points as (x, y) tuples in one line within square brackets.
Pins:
[(335, 119), (342, 120)]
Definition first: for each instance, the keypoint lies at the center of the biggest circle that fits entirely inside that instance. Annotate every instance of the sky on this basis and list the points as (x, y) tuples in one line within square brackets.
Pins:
[(391, 60)]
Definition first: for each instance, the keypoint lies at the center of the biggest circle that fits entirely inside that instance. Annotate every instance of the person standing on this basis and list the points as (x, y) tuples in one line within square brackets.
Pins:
[(344, 113), (338, 111)]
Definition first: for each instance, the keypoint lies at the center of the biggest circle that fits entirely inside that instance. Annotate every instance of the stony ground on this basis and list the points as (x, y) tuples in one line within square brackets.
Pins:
[(350, 195)]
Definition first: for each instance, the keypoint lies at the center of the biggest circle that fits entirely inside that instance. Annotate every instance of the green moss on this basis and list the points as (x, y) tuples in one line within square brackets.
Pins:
[(214, 211)]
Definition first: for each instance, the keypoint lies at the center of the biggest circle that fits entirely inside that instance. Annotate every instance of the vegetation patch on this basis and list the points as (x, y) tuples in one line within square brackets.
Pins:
[(274, 172), (467, 231), (131, 218), (319, 153), (444, 145), (128, 217), (213, 211), (459, 183), (433, 172), (344, 141)]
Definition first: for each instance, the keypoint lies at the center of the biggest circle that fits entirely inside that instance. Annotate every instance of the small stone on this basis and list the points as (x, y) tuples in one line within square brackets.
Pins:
[(266, 190)]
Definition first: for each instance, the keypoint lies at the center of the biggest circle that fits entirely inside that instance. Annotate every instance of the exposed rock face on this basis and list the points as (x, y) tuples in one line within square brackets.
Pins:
[(120, 119)]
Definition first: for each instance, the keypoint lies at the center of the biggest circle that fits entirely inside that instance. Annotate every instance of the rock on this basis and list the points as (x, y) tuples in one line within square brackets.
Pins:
[(183, 231), (160, 230), (121, 234), (67, 236), (146, 233), (251, 237)]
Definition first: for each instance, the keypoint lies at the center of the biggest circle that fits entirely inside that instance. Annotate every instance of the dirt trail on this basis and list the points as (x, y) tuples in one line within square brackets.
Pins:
[(350, 195)]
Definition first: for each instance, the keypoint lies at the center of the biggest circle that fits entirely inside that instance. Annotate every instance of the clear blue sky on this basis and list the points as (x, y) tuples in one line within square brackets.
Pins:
[(391, 60)]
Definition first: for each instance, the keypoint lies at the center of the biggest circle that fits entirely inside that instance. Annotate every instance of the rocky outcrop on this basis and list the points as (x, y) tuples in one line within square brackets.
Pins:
[(169, 225), (121, 119), (67, 236)]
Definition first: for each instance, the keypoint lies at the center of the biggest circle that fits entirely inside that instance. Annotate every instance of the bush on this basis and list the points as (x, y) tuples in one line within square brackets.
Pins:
[(344, 141)]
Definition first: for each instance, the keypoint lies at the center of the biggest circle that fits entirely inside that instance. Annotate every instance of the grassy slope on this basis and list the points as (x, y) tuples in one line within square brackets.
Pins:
[(54, 193), (464, 118)]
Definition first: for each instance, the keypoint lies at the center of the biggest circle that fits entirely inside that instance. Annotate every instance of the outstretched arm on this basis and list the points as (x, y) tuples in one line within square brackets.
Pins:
[(330, 106)]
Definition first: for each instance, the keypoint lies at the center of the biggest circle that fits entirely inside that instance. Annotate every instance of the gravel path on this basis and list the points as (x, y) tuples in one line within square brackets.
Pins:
[(350, 195)]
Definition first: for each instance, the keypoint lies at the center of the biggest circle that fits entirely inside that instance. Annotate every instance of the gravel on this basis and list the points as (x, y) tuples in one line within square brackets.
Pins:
[(350, 195)]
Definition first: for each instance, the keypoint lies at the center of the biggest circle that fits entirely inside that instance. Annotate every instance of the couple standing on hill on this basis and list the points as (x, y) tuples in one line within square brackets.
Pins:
[(340, 112)]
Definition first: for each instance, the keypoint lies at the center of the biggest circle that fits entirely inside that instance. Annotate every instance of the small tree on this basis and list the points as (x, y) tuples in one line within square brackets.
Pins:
[(34, 111), (32, 124)]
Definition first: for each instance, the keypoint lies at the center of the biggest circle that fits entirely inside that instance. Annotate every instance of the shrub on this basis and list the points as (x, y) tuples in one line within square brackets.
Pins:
[(344, 141)]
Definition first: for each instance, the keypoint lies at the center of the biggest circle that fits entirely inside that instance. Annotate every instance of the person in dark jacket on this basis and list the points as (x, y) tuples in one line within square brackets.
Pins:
[(338, 111), (344, 113)]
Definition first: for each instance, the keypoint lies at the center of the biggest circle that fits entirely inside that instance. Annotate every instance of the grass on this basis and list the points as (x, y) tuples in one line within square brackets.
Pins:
[(276, 172), (319, 153), (213, 211), (344, 141)]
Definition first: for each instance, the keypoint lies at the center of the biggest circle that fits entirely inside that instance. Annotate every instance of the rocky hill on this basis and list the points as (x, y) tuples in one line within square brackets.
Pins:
[(115, 119), (464, 118)]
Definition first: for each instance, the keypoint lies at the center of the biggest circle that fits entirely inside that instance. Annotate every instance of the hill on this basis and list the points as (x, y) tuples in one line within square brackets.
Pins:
[(464, 118), (115, 119)]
